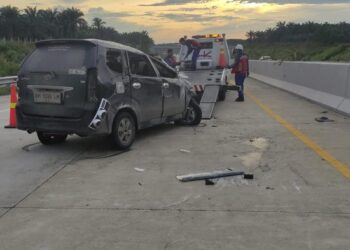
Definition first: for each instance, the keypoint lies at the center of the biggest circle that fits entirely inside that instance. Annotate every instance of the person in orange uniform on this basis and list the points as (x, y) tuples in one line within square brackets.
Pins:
[(241, 70)]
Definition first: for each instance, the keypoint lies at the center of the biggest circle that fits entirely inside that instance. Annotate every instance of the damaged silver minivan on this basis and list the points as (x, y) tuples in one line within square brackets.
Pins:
[(90, 86)]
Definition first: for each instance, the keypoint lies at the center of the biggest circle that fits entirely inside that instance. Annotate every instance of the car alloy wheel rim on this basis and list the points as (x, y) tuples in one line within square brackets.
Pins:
[(125, 131), (191, 115)]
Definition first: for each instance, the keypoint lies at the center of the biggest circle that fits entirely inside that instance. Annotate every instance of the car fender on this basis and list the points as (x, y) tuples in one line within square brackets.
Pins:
[(130, 105)]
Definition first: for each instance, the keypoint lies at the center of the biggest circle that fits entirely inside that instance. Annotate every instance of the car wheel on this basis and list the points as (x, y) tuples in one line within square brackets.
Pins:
[(193, 115), (50, 139), (222, 94), (124, 131)]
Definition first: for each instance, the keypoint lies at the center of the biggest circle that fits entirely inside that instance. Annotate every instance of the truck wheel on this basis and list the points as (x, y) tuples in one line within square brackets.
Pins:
[(193, 115), (50, 139), (124, 131), (222, 94)]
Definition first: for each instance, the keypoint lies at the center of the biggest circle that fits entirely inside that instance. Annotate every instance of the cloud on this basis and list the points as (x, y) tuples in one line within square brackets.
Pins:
[(104, 14), (291, 1), (190, 9), (117, 20), (73, 1), (194, 17), (176, 2)]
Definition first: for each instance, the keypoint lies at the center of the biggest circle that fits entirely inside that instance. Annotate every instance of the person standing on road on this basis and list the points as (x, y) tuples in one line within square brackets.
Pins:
[(192, 46), (170, 59), (241, 70)]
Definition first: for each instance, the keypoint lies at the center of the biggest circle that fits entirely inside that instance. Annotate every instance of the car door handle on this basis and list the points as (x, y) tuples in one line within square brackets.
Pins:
[(165, 85), (136, 85)]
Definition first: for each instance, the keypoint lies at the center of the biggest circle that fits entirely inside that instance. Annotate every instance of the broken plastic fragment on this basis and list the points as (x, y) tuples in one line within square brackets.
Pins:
[(211, 182), (185, 151), (208, 175), (323, 119), (139, 169)]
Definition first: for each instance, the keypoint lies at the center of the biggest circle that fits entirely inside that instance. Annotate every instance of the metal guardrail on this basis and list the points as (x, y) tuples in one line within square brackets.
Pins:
[(7, 80)]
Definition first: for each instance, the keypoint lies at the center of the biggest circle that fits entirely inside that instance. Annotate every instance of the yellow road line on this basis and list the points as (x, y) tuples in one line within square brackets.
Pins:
[(338, 165)]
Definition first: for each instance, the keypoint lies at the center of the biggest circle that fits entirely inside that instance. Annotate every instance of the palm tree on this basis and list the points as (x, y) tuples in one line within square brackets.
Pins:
[(98, 23), (70, 20), (9, 21), (48, 23), (250, 35), (31, 19)]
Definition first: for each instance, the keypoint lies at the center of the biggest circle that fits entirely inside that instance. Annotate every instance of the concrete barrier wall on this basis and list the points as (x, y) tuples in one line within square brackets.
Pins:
[(324, 83)]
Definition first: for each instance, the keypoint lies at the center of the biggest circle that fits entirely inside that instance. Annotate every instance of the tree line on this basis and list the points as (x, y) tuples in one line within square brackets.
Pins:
[(325, 33), (32, 24)]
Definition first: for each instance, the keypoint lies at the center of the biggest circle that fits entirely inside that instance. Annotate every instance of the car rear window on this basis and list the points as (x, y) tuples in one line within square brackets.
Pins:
[(59, 58)]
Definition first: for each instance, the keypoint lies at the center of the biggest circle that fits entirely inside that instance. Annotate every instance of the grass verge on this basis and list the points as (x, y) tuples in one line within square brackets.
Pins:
[(4, 90)]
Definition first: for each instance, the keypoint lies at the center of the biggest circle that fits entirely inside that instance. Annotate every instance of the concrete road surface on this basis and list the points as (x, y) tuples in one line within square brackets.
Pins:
[(84, 195)]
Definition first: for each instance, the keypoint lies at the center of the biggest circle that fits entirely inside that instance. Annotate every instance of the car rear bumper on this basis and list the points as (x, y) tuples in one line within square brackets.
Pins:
[(57, 124)]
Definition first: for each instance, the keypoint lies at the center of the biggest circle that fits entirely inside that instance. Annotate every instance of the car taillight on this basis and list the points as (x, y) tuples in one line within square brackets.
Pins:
[(91, 85)]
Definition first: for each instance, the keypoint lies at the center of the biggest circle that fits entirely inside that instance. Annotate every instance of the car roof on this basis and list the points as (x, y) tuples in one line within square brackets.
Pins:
[(97, 42)]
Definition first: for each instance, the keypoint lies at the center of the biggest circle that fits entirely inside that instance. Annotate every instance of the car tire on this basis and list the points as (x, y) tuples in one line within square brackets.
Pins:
[(222, 94), (51, 139), (124, 131), (193, 115)]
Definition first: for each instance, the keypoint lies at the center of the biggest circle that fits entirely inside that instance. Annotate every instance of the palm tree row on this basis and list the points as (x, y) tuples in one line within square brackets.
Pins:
[(33, 24), (303, 32)]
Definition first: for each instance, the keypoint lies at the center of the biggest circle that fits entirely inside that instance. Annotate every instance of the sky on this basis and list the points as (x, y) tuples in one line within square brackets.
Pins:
[(167, 20)]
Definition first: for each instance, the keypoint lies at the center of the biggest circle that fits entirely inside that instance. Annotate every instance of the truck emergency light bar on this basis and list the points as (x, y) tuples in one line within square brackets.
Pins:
[(208, 36)]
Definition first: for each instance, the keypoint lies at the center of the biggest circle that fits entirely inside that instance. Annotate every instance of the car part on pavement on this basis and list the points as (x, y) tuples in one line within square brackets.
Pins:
[(323, 119), (208, 175), (211, 182), (185, 151)]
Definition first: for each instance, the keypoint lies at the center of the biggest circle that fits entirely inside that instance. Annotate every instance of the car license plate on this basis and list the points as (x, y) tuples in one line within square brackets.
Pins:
[(47, 97)]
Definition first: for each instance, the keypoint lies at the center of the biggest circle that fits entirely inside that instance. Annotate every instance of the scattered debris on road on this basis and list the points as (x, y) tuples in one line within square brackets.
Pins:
[(259, 142), (213, 175), (185, 151), (323, 119), (211, 182), (139, 169), (248, 176)]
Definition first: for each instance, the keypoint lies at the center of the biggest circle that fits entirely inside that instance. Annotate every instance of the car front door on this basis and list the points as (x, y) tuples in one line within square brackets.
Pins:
[(173, 90), (146, 87)]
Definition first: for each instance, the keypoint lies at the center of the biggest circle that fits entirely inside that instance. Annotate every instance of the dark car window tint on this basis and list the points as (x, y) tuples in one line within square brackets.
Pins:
[(114, 61), (140, 65), (59, 58), (164, 70)]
